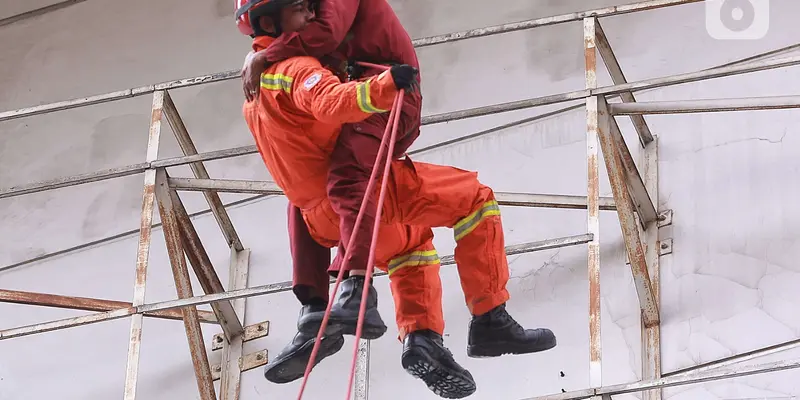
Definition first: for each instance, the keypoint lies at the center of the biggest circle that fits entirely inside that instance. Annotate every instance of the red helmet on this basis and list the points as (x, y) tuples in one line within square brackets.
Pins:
[(248, 11)]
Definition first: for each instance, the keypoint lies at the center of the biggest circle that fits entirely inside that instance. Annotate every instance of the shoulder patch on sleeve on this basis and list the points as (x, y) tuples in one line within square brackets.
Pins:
[(312, 81)]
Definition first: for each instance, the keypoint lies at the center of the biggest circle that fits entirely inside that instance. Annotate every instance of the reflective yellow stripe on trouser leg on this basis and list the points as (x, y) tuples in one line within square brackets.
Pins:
[(414, 259), (468, 224), (417, 292)]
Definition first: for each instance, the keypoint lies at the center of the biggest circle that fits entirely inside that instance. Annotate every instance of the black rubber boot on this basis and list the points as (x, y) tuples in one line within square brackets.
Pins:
[(344, 313), (426, 358), (496, 333), (291, 363), (308, 315)]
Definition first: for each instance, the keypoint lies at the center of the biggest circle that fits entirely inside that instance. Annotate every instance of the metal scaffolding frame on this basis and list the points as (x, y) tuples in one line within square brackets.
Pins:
[(633, 195)]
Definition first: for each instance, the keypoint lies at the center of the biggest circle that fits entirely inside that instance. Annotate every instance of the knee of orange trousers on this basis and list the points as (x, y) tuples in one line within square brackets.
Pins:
[(480, 255), (393, 239), (355, 153), (417, 294)]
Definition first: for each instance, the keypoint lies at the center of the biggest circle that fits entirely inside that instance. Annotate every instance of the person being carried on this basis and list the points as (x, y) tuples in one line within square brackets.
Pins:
[(343, 31), (296, 122)]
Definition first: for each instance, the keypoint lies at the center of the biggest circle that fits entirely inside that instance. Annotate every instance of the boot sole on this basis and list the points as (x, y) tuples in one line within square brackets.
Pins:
[(497, 349), (293, 367), (344, 326), (444, 382)]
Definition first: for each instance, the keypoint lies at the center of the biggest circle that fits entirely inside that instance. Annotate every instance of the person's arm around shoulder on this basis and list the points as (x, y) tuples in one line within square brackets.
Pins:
[(321, 37), (320, 93)]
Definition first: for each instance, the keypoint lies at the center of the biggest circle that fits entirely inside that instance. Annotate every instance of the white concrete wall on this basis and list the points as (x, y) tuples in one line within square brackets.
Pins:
[(729, 287)]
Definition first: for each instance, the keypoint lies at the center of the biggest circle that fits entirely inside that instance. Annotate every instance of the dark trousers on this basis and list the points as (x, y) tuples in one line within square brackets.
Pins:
[(352, 161)]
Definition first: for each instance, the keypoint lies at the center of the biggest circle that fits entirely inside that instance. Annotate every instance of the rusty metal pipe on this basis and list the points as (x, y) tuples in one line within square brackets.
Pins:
[(547, 21), (612, 90), (199, 170), (627, 220), (618, 77), (422, 42), (89, 304), (750, 66), (38, 12), (253, 291), (706, 105), (143, 247), (672, 381), (716, 365), (503, 198), (593, 199), (183, 286), (202, 266), (118, 236)]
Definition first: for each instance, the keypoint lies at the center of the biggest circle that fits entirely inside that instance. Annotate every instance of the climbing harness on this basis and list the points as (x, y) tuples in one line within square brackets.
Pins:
[(389, 134)]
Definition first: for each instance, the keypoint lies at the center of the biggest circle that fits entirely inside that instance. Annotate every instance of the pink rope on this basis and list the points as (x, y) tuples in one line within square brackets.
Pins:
[(394, 119), (371, 65), (389, 134)]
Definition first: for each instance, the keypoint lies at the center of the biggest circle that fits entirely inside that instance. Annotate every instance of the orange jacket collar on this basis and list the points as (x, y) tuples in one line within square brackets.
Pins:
[(262, 42)]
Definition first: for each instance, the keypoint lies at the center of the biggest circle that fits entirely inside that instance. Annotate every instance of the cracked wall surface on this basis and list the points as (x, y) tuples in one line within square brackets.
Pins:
[(728, 287)]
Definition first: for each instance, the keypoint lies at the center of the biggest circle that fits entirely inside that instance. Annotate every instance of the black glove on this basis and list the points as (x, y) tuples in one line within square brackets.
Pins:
[(354, 70), (405, 76)]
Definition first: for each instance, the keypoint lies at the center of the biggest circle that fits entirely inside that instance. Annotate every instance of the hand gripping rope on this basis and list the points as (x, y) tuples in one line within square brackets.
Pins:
[(389, 134)]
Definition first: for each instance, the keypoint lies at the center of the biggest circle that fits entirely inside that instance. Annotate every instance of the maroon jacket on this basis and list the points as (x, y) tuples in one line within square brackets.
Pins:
[(348, 30), (360, 30)]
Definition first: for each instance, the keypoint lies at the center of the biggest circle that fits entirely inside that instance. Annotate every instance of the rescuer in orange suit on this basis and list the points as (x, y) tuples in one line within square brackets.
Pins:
[(341, 32), (296, 122)]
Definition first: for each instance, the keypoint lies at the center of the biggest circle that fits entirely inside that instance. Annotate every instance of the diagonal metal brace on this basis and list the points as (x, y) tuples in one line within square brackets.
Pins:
[(627, 220), (635, 185), (200, 172), (615, 70), (183, 285), (204, 270)]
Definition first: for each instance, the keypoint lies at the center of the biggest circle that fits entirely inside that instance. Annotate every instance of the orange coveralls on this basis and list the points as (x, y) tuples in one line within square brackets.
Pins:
[(296, 122)]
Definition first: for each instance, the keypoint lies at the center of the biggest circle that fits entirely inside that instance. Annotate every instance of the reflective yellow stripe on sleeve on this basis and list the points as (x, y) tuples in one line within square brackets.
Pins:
[(468, 224), (364, 100), (277, 82), (414, 259)]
